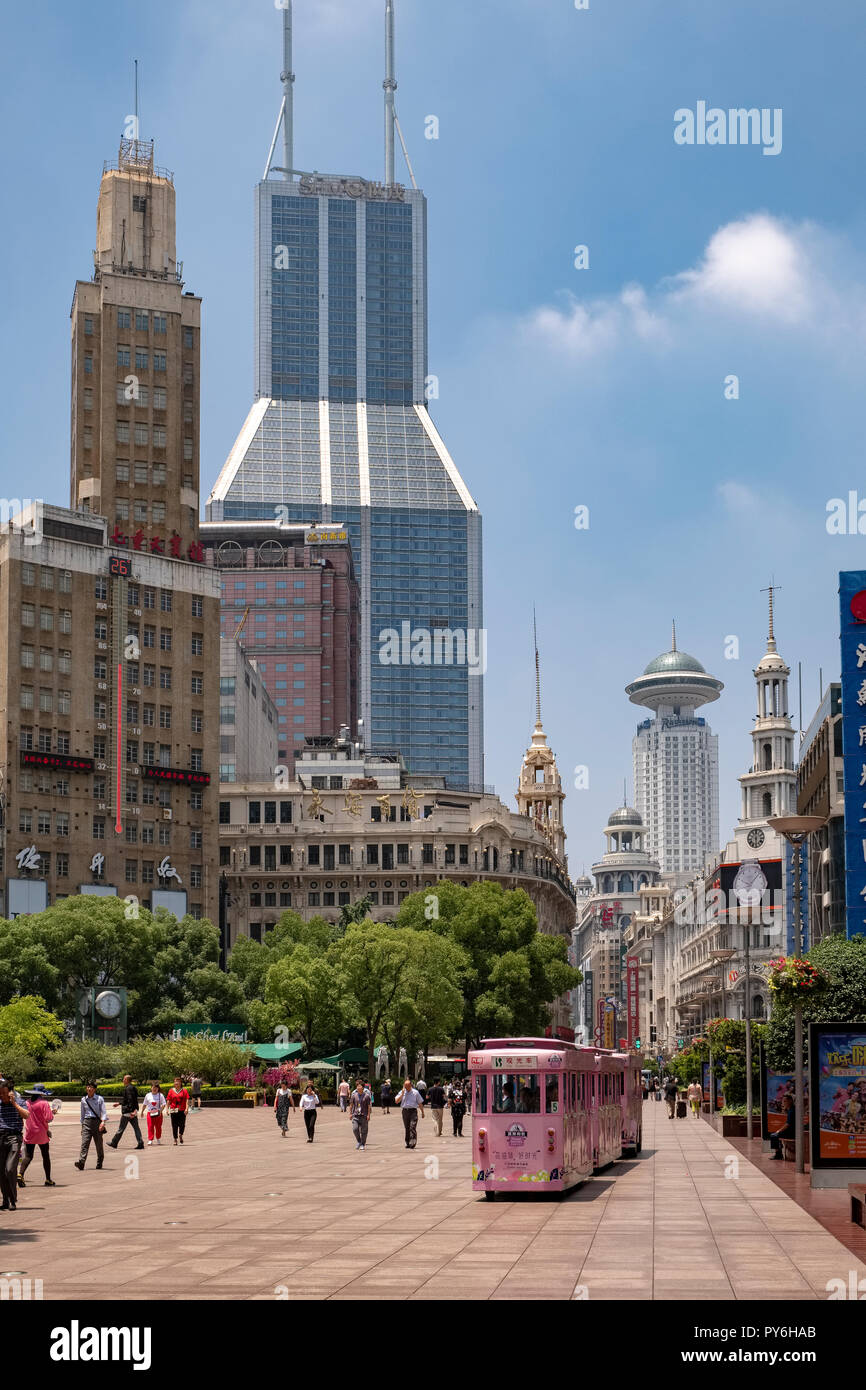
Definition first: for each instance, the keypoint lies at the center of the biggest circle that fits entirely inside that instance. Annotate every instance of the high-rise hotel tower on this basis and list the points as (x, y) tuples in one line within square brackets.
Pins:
[(676, 761), (340, 433)]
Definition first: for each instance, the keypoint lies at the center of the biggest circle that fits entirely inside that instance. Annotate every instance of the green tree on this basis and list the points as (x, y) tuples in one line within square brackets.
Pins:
[(212, 1060), (844, 962), (26, 1023), (146, 1059), (87, 1060), (304, 993), (15, 1063), (373, 959), (513, 971), (428, 1006)]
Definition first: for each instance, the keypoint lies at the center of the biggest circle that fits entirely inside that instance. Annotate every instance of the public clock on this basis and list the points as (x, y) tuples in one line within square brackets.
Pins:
[(755, 838), (108, 1004)]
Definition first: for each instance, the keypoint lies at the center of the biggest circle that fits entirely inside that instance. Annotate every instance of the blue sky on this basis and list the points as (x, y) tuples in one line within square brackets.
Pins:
[(558, 387)]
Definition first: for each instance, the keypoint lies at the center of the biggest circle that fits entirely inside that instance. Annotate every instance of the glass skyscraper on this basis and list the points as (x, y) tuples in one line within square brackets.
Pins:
[(340, 432)]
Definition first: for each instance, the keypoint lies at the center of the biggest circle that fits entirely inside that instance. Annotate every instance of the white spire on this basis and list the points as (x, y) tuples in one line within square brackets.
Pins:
[(390, 86)]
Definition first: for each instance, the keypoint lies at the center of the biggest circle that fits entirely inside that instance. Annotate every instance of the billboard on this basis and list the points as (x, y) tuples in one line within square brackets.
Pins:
[(775, 1085), (837, 1077), (633, 1022), (219, 1032), (172, 899), (705, 1086), (25, 895), (852, 604)]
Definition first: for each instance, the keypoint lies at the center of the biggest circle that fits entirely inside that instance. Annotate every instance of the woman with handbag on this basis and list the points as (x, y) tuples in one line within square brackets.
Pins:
[(94, 1123)]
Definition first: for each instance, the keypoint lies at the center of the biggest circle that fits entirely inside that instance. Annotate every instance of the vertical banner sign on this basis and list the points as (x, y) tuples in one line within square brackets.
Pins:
[(837, 1089), (610, 1023), (632, 976), (599, 1022), (587, 1004), (852, 604)]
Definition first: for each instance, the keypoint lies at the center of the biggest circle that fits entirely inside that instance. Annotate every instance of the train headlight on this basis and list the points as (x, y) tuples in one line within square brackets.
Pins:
[(482, 1139), (551, 1139)]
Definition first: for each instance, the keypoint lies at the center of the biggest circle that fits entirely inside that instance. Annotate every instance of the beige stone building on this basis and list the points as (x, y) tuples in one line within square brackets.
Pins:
[(351, 824), (109, 725)]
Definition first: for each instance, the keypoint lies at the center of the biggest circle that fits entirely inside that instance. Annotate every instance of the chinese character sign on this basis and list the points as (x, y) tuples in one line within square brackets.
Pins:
[(852, 602), (632, 966)]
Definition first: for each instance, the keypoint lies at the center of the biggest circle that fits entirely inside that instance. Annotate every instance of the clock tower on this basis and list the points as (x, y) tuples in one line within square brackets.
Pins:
[(769, 788)]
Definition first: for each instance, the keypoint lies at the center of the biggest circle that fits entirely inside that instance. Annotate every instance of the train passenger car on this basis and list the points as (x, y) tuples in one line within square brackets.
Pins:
[(531, 1115), (606, 1110), (632, 1104)]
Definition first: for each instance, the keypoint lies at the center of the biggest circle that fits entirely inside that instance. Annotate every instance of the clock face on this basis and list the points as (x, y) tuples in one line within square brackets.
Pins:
[(755, 838), (108, 1004)]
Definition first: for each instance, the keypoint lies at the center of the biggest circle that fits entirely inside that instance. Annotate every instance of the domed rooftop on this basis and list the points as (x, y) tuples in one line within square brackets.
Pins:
[(624, 815), (674, 661)]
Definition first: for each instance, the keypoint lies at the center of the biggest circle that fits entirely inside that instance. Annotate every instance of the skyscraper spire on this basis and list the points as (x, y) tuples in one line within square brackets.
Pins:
[(673, 634), (390, 86), (771, 639), (537, 672)]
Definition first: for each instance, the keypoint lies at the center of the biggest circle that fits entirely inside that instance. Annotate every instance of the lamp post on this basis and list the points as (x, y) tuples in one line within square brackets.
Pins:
[(722, 955), (796, 830)]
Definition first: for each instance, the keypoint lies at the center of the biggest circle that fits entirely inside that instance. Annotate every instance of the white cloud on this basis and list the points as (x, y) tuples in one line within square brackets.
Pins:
[(758, 270), (756, 265)]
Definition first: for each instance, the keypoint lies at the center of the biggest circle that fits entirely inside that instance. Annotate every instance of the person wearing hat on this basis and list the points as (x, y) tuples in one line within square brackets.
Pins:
[(37, 1133)]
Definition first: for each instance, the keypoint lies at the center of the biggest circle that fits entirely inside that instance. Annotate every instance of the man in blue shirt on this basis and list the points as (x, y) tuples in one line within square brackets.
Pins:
[(410, 1102), (94, 1121), (13, 1113)]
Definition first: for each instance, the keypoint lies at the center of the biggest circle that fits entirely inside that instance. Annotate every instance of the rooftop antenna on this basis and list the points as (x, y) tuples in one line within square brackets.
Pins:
[(537, 671), (800, 683), (286, 113), (673, 634), (624, 799), (135, 60), (391, 118), (390, 86)]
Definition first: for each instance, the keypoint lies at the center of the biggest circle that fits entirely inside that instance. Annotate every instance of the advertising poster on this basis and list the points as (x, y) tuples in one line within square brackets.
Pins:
[(705, 1086), (837, 1067), (775, 1085)]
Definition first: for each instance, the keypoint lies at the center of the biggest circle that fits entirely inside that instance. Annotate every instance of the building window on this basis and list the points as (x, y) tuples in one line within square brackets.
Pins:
[(46, 619), (98, 828), (197, 645), (159, 323), (61, 863), (165, 639), (64, 701), (131, 871), (165, 678), (28, 615)]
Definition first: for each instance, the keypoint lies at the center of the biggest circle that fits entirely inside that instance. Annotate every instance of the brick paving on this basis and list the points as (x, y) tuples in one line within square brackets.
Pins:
[(261, 1217)]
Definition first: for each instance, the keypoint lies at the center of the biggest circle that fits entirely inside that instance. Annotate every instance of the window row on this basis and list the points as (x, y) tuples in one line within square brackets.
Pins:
[(49, 579), (142, 473), (48, 700), (47, 618), (132, 392), (47, 659)]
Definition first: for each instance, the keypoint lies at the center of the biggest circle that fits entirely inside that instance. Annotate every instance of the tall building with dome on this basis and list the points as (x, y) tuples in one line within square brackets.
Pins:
[(676, 761)]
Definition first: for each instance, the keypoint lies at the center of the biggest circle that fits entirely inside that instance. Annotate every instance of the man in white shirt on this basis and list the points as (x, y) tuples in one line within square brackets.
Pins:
[(410, 1102), (94, 1121)]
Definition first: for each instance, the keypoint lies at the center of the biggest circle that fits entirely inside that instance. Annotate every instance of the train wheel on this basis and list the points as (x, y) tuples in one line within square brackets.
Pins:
[(490, 1196)]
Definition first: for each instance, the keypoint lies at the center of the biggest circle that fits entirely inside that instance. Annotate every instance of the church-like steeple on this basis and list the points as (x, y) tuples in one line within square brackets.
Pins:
[(539, 789), (770, 786)]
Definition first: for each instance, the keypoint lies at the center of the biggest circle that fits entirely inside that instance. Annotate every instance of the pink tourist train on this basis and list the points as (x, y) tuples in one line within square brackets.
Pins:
[(547, 1114)]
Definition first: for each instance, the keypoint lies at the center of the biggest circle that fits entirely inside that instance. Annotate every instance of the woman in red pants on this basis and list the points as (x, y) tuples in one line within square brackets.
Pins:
[(154, 1104)]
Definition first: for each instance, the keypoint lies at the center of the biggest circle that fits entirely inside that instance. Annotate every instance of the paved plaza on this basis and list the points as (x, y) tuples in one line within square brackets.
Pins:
[(260, 1217)]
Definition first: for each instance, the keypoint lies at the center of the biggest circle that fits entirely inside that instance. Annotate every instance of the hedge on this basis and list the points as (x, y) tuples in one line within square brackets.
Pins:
[(113, 1090)]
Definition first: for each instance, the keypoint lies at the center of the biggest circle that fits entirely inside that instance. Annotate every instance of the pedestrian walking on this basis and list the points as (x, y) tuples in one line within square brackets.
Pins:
[(421, 1085), (310, 1105), (128, 1104), (195, 1087), (284, 1101), (360, 1105), (153, 1106), (36, 1133), (436, 1101), (385, 1096), (695, 1096), (671, 1096), (13, 1113), (178, 1101), (344, 1090), (410, 1102), (458, 1110), (94, 1123)]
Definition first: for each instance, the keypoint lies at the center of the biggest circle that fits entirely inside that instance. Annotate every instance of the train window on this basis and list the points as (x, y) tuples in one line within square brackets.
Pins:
[(551, 1095), (571, 1083), (479, 1102), (516, 1093)]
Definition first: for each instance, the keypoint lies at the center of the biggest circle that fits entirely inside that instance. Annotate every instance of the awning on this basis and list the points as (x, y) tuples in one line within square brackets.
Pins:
[(318, 1066), (270, 1052), (350, 1056)]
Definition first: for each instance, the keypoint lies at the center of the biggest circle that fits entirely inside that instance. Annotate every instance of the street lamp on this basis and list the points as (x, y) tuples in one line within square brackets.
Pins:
[(722, 955), (796, 830)]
